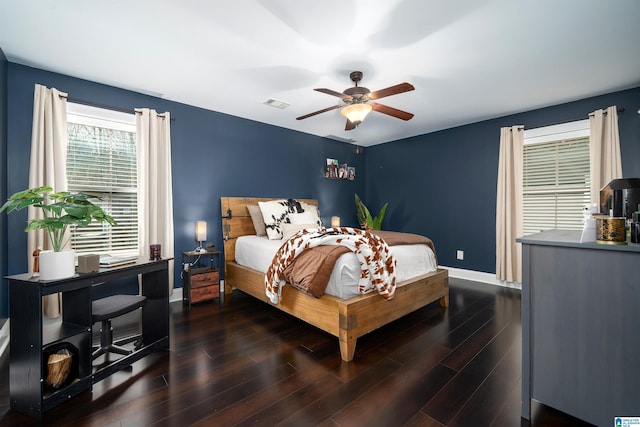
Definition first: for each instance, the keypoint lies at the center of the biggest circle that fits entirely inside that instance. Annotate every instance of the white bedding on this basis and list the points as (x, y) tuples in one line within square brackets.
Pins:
[(257, 252)]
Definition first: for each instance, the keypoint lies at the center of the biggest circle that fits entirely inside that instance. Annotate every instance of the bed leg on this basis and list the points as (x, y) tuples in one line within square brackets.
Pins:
[(444, 301), (347, 349)]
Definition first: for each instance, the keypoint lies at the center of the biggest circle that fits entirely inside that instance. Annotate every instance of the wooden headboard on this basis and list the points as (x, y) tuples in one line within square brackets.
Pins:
[(240, 223)]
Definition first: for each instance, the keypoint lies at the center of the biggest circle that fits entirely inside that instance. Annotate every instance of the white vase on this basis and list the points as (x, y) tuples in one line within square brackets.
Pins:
[(57, 265)]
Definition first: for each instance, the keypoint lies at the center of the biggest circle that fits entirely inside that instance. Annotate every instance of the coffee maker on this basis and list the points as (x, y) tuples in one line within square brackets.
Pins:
[(620, 198)]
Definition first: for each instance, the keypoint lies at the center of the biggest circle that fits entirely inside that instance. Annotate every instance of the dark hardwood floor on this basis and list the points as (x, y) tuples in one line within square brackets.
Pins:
[(244, 363)]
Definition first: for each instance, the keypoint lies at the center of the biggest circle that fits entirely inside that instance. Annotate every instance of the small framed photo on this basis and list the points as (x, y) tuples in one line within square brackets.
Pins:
[(331, 170), (351, 173), (342, 171)]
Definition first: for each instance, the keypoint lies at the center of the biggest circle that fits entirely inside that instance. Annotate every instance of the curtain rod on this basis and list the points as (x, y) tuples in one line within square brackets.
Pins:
[(619, 110), (105, 106)]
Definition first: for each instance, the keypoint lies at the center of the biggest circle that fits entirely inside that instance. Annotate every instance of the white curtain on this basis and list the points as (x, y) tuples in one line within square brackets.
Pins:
[(155, 196), (48, 166), (604, 143), (509, 224)]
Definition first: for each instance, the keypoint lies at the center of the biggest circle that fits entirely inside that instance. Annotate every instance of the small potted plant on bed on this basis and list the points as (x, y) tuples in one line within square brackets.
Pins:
[(366, 221), (61, 210)]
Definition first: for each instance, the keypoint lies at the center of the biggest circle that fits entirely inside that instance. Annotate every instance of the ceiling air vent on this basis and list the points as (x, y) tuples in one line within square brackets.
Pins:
[(276, 104)]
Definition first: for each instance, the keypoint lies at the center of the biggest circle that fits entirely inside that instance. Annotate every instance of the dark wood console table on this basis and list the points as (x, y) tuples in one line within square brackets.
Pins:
[(29, 337), (580, 326)]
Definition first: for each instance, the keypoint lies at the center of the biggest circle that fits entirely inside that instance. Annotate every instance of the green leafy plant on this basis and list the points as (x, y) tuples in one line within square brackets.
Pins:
[(60, 210), (365, 219)]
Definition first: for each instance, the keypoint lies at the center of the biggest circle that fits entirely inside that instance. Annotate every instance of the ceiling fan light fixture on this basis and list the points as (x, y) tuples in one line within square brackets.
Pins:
[(356, 113)]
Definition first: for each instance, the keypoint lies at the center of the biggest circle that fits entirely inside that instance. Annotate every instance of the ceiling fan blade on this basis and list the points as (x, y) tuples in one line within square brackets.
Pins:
[(333, 107), (349, 125), (333, 93), (392, 90), (390, 111)]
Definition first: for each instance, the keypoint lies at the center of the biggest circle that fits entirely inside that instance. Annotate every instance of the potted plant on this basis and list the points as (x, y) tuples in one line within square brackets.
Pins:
[(365, 219), (61, 210)]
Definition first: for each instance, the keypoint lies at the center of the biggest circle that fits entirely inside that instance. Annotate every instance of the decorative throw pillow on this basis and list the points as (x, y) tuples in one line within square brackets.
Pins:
[(305, 217), (256, 218), (314, 211), (275, 212), (289, 230)]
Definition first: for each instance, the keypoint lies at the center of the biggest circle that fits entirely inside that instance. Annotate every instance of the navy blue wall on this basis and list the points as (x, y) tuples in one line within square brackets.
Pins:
[(443, 184), (213, 155), (3, 182)]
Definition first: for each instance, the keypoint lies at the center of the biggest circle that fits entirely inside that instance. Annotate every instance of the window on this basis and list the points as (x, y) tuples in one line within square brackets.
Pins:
[(101, 161), (556, 177)]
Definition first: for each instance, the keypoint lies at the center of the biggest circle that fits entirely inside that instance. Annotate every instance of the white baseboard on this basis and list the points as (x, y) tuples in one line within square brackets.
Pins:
[(479, 276), (176, 295)]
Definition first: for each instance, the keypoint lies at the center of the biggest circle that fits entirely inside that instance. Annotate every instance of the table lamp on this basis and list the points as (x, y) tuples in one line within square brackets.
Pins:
[(201, 235)]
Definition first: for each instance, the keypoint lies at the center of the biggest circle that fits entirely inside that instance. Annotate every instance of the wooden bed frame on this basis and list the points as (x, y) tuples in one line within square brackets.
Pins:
[(347, 319)]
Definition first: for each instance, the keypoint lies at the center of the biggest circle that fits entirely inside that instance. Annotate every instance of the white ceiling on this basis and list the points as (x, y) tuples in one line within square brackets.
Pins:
[(469, 60)]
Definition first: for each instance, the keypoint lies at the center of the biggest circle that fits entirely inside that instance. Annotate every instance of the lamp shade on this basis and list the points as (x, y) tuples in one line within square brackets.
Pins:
[(356, 113), (201, 231), (335, 221)]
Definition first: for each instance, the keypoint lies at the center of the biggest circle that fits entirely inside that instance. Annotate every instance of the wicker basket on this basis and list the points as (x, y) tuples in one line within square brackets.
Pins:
[(60, 365), (58, 368)]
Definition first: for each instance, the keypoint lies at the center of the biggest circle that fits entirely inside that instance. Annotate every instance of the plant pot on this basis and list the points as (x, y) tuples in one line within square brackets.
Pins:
[(57, 265)]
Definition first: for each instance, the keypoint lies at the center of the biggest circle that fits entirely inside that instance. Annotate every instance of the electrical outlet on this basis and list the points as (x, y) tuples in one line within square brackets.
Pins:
[(460, 254)]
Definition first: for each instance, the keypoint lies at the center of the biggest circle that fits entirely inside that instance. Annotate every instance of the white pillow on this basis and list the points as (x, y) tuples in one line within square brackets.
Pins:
[(305, 217), (289, 230), (314, 211)]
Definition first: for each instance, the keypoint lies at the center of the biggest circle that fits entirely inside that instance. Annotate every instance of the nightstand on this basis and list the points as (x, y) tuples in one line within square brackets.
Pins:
[(200, 276)]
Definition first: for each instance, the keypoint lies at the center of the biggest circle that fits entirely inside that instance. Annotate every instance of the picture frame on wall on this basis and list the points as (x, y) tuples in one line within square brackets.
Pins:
[(342, 171), (336, 170), (351, 173), (331, 170)]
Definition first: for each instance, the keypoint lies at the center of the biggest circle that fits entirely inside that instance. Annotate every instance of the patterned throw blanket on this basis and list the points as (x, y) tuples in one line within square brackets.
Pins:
[(376, 261)]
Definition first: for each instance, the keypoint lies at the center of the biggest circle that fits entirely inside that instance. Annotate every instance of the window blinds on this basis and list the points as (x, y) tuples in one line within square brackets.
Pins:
[(101, 161), (556, 182)]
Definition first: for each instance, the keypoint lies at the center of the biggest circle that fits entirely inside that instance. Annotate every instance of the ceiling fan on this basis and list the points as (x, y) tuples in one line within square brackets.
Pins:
[(356, 102)]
